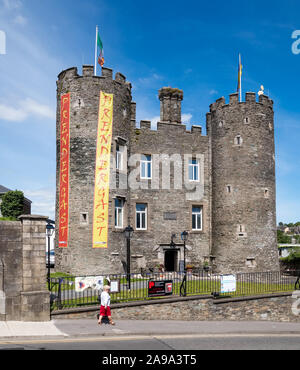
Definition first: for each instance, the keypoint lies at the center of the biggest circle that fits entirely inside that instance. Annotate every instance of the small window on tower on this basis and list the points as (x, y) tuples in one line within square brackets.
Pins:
[(241, 231), (246, 120), (228, 187), (84, 218), (238, 140), (221, 123), (266, 193)]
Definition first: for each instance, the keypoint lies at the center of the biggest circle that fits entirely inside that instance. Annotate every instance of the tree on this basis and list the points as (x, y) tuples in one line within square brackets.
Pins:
[(12, 204), (282, 238)]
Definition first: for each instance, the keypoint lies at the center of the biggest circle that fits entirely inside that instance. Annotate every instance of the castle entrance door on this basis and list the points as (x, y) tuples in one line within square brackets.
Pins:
[(171, 256)]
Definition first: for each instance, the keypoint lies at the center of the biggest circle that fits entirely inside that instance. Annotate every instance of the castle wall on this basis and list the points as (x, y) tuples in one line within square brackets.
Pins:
[(243, 184), (171, 141), (235, 188)]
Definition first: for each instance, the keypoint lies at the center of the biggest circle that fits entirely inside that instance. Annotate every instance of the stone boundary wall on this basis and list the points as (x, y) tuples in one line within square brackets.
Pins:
[(23, 290), (270, 307)]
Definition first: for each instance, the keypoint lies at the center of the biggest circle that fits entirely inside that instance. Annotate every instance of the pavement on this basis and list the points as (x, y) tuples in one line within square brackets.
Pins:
[(78, 328)]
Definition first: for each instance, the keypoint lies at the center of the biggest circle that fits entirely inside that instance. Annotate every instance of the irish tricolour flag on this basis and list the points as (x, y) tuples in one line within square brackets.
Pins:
[(99, 52)]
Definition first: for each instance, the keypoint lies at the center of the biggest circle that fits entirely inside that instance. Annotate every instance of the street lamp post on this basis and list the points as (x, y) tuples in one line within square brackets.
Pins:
[(184, 236), (128, 234), (49, 233)]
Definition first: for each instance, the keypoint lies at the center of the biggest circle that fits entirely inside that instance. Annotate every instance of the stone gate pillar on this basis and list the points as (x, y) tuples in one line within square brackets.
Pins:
[(35, 297)]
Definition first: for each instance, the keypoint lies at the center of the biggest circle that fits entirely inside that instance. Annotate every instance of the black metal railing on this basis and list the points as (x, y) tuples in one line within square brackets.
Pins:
[(65, 292)]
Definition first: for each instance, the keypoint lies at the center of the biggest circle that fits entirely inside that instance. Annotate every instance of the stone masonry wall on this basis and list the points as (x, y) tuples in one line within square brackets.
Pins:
[(23, 291), (243, 184), (11, 257), (264, 308), (171, 141)]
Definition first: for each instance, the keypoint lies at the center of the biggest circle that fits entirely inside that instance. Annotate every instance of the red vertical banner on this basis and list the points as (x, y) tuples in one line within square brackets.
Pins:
[(64, 171)]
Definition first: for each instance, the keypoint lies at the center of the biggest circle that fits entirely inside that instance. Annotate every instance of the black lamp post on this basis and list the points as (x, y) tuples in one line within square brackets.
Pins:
[(184, 236), (49, 233), (128, 234)]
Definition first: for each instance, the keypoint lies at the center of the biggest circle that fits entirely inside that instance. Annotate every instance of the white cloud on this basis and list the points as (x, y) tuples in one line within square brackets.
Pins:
[(43, 202), (12, 4), (150, 81), (154, 121), (26, 108), (186, 118), (19, 19), (12, 114), (213, 92)]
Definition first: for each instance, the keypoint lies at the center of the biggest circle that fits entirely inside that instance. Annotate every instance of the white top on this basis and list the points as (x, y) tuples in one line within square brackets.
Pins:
[(105, 299)]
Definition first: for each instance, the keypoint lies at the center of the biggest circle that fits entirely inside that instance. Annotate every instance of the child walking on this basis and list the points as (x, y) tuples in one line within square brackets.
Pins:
[(105, 305)]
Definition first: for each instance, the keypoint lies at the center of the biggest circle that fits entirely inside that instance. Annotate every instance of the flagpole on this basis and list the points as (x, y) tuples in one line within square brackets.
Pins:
[(95, 68), (240, 78)]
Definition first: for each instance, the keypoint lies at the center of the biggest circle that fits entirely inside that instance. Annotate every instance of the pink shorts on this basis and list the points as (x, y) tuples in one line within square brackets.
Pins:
[(105, 312)]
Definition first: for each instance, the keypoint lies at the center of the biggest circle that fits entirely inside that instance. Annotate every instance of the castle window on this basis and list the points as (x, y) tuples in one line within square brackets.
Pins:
[(238, 140), (266, 193), (228, 188), (197, 218), (119, 157), (84, 218), (146, 167), (193, 169), (241, 230), (119, 208), (246, 120), (141, 216), (250, 262), (221, 123)]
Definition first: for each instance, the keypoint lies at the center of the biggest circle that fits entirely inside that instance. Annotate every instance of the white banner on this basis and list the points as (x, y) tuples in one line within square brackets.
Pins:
[(85, 282)]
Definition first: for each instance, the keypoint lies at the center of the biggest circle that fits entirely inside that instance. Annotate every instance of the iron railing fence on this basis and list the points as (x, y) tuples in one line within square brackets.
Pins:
[(198, 282)]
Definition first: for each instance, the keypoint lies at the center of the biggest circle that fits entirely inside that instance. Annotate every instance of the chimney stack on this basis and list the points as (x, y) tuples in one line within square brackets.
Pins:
[(170, 104)]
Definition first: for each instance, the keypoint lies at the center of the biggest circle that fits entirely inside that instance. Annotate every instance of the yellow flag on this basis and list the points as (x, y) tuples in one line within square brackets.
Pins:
[(102, 170)]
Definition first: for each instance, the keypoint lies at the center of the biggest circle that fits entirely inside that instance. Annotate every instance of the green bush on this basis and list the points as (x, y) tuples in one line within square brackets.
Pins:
[(12, 204), (282, 238), (294, 256)]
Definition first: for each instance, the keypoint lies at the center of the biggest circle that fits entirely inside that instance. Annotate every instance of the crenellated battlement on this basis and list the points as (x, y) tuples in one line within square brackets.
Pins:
[(88, 72), (177, 129), (250, 98)]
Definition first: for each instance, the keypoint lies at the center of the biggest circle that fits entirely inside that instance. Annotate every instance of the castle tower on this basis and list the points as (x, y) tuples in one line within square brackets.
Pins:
[(170, 104), (80, 257), (243, 184)]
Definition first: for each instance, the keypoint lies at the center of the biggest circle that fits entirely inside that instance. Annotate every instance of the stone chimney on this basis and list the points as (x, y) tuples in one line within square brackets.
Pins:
[(170, 104)]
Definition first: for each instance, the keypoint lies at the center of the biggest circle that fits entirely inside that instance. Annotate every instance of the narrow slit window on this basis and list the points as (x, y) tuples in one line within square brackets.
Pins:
[(238, 140), (83, 218)]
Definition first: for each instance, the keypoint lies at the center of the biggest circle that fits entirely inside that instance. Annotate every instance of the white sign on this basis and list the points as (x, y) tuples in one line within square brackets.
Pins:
[(228, 283), (114, 286)]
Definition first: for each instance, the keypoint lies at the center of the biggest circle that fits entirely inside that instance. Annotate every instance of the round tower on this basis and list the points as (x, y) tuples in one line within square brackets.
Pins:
[(79, 256), (243, 223)]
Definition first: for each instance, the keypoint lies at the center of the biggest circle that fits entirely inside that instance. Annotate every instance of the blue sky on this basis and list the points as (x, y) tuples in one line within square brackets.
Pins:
[(191, 45)]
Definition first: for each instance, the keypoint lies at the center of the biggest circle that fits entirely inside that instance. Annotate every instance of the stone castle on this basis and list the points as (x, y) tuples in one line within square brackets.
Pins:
[(219, 187)]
